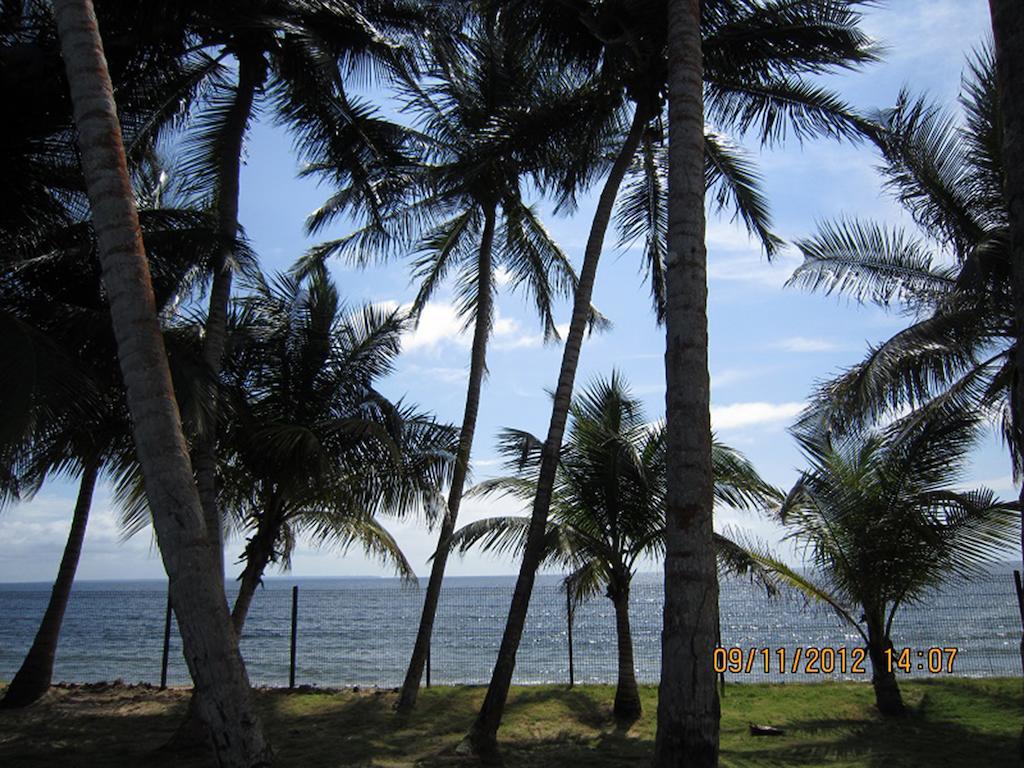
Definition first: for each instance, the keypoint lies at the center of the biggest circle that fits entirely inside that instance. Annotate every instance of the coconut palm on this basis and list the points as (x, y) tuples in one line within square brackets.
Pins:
[(608, 506), (67, 397), (953, 276), (490, 116), (294, 60), (312, 449), (882, 519), (197, 592), (757, 59)]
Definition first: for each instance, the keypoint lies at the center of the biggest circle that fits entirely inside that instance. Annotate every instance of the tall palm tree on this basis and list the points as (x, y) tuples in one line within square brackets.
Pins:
[(1008, 35), (757, 55), (61, 355), (197, 593), (881, 518), (293, 59), (688, 705), (608, 506), (491, 117)]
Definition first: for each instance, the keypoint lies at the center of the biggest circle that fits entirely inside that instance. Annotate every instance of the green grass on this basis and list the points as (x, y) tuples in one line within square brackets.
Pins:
[(953, 722)]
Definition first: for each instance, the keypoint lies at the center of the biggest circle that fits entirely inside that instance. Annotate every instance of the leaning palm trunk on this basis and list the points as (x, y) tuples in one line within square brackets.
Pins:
[(204, 452), (1008, 34), (197, 593), (482, 737), (627, 695), (477, 369), (33, 677), (688, 705)]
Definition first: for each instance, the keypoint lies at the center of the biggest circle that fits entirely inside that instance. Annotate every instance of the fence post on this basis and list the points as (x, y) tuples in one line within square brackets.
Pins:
[(167, 644), (568, 618), (295, 632)]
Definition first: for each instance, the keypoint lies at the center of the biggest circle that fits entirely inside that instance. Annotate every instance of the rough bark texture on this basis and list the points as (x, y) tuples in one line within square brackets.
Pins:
[(482, 737), (627, 696), (688, 704), (33, 677), (197, 591), (204, 452), (1008, 34), (477, 369)]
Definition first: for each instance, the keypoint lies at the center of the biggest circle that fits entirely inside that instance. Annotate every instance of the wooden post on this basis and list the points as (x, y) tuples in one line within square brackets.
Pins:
[(295, 632), (568, 617), (428, 663), (167, 645)]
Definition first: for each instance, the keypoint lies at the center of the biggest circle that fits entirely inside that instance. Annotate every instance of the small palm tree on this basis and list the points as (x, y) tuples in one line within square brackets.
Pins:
[(311, 447), (608, 506), (882, 521)]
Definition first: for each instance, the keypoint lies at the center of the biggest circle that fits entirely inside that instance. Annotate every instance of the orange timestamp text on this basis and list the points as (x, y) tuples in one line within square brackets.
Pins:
[(814, 660)]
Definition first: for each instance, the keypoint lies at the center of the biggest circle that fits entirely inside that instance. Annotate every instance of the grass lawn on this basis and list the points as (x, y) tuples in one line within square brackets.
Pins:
[(953, 722)]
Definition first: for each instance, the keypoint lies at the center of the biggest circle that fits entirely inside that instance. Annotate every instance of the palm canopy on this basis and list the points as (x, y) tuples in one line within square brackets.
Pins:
[(297, 61), (951, 276), (882, 520), (310, 446), (608, 505), (490, 119), (758, 56)]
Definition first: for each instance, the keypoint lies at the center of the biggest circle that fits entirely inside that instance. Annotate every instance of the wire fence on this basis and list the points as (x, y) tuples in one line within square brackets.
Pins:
[(361, 635)]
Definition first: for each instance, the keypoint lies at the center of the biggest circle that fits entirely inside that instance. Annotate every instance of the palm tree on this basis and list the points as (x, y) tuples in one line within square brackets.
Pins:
[(490, 115), (69, 396), (882, 520), (608, 506), (954, 276), (757, 55), (1008, 34), (291, 58), (688, 705), (312, 449), (197, 594)]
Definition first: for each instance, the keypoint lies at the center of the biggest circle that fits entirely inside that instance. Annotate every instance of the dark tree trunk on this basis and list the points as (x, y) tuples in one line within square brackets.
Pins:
[(627, 695), (197, 592), (688, 704), (33, 678), (883, 679), (482, 737), (257, 556), (1008, 34), (204, 451), (477, 369)]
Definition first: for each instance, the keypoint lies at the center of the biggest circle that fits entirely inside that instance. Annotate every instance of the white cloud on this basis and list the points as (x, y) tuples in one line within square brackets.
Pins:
[(439, 324), (805, 344), (752, 414)]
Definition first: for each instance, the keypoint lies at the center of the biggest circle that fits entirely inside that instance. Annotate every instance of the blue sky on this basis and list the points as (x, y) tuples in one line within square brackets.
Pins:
[(769, 345)]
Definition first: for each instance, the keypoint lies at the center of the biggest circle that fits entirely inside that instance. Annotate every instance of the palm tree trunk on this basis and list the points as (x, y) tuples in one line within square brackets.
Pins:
[(688, 704), (482, 737), (204, 452), (1008, 34), (883, 679), (197, 593), (627, 695), (257, 556), (33, 677), (477, 369)]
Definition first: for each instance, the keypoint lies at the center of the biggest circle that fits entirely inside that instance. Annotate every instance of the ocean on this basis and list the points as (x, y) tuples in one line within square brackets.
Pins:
[(359, 632)]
